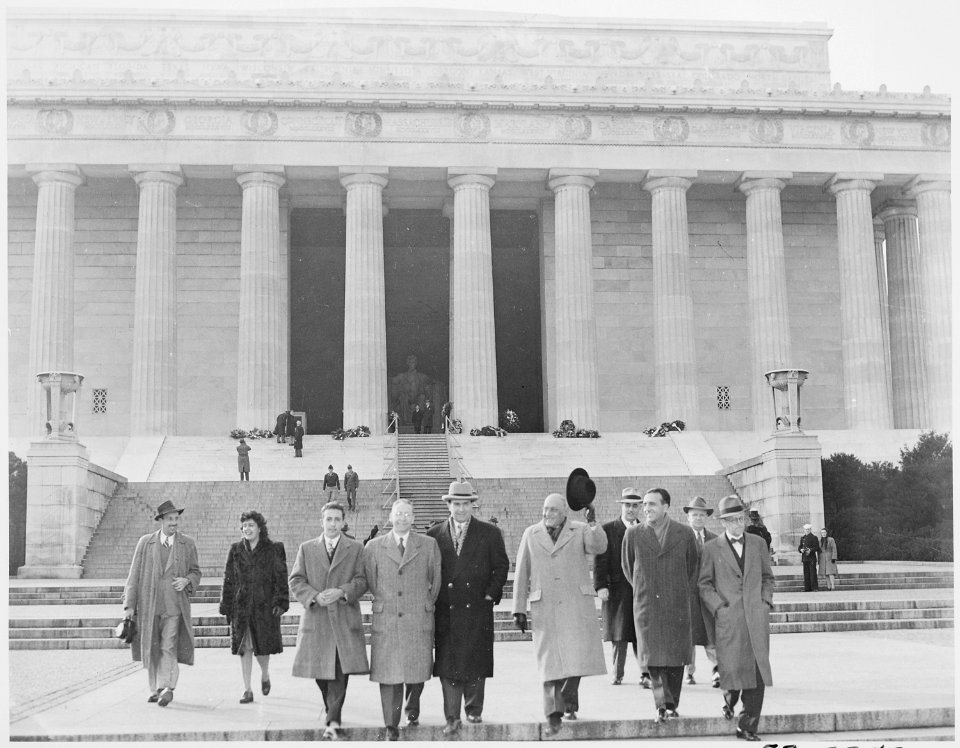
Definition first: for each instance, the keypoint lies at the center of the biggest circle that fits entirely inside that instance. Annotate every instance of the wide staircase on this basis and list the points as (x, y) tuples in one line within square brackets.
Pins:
[(423, 467)]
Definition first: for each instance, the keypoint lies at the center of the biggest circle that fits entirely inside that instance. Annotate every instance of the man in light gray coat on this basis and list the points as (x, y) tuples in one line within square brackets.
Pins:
[(163, 574), (403, 573), (327, 579), (552, 575)]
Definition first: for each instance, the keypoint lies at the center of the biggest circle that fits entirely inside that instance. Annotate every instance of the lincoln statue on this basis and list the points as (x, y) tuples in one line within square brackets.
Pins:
[(408, 389)]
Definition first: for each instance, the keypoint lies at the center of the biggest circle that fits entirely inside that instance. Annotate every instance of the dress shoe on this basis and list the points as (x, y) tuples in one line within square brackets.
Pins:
[(474, 718), (554, 725), (570, 715), (247, 697), (452, 727), (727, 712), (152, 698), (617, 681), (165, 697), (691, 681), (391, 733), (645, 681), (413, 720), (747, 735), (672, 714), (661, 716), (265, 687), (716, 680), (332, 732)]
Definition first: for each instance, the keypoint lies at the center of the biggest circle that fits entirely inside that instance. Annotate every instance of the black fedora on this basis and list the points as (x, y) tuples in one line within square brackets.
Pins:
[(165, 508), (581, 491)]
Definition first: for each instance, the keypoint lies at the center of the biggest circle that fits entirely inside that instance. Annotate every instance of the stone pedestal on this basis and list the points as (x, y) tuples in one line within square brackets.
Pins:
[(260, 385), (365, 325), (153, 389), (474, 352), (675, 369)]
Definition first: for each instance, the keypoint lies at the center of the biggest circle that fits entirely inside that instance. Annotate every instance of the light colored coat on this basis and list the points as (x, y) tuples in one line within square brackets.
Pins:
[(326, 631), (404, 592), (140, 592), (664, 582), (828, 556), (555, 580), (744, 601)]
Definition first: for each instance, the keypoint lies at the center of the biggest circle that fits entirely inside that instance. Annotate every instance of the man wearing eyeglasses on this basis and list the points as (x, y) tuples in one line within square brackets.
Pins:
[(736, 588)]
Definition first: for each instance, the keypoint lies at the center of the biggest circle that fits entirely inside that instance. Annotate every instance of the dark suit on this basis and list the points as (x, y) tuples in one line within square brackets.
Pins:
[(697, 623), (427, 420), (464, 617), (809, 554), (617, 610), (298, 441)]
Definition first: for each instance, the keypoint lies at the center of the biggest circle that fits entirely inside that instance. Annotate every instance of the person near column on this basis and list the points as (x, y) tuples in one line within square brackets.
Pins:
[(474, 566), (660, 559), (614, 589), (351, 482), (697, 512), (281, 428), (809, 553), (253, 598), (331, 484), (828, 558), (292, 423), (163, 574), (327, 579), (403, 573), (298, 439), (243, 459), (736, 589), (427, 423), (417, 418), (553, 577)]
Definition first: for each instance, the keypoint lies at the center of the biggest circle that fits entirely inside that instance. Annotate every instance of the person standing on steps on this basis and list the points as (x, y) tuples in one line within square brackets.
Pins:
[(163, 574), (697, 512), (809, 554), (298, 439), (254, 597), (351, 482), (331, 485), (243, 459)]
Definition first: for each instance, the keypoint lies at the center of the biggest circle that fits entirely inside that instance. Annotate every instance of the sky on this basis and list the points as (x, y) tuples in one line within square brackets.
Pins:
[(905, 45)]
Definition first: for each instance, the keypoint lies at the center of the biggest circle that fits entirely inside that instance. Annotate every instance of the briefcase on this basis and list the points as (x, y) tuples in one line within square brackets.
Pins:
[(125, 630)]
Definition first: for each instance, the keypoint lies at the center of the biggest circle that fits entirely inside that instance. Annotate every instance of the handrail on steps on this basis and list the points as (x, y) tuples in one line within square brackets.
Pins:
[(392, 473)]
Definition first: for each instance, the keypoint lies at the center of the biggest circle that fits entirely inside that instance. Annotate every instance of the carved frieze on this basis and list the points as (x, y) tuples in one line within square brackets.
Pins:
[(473, 125), (260, 122), (766, 130), (157, 122), (858, 132), (364, 124), (671, 129), (936, 134), (55, 121), (574, 128)]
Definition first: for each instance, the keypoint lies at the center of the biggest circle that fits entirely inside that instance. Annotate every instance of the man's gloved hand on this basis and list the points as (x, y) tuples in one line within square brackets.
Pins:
[(277, 611), (521, 620), (589, 513)]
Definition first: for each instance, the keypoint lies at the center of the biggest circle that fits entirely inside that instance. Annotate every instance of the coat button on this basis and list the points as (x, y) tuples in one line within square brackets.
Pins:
[(399, 615), (399, 593), (468, 584), (450, 585), (468, 605), (399, 573)]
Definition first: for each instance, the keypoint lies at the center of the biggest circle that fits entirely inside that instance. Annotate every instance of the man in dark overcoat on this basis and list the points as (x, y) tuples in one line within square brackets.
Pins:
[(697, 512), (809, 549), (474, 566), (298, 439), (660, 559), (613, 588), (281, 428), (736, 588)]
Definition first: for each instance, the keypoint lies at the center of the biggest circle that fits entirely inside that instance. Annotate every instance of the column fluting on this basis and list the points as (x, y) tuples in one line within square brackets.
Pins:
[(260, 355), (365, 331), (767, 292), (153, 389), (673, 339), (878, 243), (52, 295), (448, 213), (866, 399), (907, 366), (577, 388)]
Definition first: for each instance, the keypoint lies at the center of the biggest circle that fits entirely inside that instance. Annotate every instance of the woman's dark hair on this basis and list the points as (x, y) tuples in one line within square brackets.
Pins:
[(258, 518)]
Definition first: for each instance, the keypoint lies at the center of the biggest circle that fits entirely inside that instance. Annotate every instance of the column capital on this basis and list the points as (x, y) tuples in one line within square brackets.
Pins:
[(562, 172), (749, 181), (460, 171), (896, 209), (662, 180), (353, 175), (576, 177), (169, 173), (926, 183), (844, 181), (271, 179), (67, 173), (464, 180)]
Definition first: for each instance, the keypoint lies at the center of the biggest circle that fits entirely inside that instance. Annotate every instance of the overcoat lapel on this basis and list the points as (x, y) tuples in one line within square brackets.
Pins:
[(566, 535), (542, 536), (338, 554), (469, 547), (648, 537), (414, 542), (672, 537)]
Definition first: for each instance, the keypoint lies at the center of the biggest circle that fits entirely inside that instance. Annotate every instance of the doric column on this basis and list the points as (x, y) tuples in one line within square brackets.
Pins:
[(153, 389), (448, 213), (474, 359), (766, 289), (908, 373), (866, 400), (51, 299), (674, 366), (365, 326), (577, 390), (932, 194), (260, 385), (878, 239)]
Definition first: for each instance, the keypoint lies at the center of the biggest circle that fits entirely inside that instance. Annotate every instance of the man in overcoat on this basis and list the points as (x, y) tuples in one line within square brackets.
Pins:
[(163, 574), (614, 589), (328, 580), (403, 573), (552, 576), (736, 588), (809, 549), (281, 427), (697, 512), (297, 436), (292, 423), (474, 567), (660, 559)]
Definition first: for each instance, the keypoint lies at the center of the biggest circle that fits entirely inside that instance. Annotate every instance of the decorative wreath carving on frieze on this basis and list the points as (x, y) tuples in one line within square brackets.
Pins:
[(766, 130), (473, 125), (260, 122), (364, 124), (858, 132), (55, 121), (671, 129), (576, 127), (935, 134), (157, 121)]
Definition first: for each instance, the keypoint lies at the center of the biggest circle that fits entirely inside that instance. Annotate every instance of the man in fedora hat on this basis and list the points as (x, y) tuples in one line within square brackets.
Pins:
[(163, 574), (614, 589), (809, 554), (660, 559), (736, 588), (697, 512), (474, 566), (552, 575)]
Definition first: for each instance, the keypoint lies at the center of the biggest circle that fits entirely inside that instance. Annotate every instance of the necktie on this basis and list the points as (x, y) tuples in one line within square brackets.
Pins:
[(330, 550), (402, 548), (700, 539), (458, 543)]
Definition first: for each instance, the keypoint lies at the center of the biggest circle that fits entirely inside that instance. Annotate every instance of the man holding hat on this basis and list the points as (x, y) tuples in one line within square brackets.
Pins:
[(809, 554), (613, 588), (697, 513), (736, 588), (552, 575), (660, 559), (163, 574), (474, 566)]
